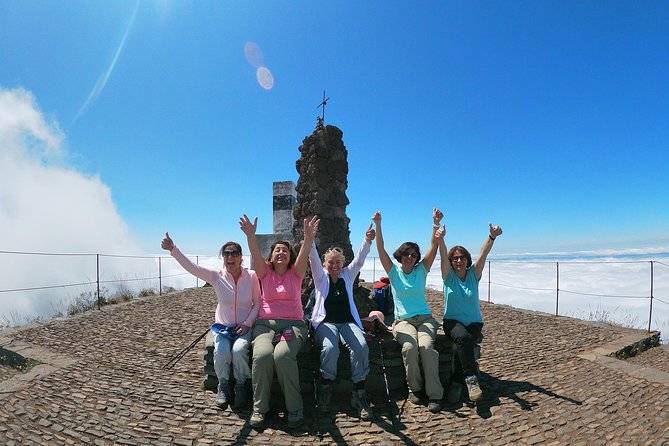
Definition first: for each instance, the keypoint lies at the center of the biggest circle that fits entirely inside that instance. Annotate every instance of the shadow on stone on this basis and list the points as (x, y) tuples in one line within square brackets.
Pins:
[(494, 389)]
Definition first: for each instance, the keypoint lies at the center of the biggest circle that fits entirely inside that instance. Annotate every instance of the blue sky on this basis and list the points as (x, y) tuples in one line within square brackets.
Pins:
[(548, 118)]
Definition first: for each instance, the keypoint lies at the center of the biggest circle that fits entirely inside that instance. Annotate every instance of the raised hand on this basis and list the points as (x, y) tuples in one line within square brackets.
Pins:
[(310, 227), (376, 218), (437, 215), (370, 234), (167, 242), (494, 230), (247, 227), (440, 233)]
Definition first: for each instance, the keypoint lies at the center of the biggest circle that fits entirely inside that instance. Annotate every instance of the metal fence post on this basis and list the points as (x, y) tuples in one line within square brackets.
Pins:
[(197, 280), (97, 273), (557, 287), (488, 281), (650, 316), (160, 276)]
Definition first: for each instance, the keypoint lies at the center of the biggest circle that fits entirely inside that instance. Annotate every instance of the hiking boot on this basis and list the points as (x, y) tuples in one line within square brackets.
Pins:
[(473, 388), (415, 398), (257, 419), (240, 396), (434, 406), (359, 402), (223, 394), (454, 393), (295, 418), (324, 397)]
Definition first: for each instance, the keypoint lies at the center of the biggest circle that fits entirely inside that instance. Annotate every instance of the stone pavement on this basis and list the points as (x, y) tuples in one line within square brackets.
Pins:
[(546, 380)]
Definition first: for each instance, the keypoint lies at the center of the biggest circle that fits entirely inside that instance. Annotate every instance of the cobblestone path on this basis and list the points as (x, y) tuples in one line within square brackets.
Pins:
[(545, 381)]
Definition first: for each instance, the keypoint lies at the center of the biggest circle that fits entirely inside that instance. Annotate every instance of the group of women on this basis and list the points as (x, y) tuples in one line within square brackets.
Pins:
[(262, 307)]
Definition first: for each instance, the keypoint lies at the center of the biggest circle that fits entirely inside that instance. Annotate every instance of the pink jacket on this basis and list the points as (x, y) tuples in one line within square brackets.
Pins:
[(238, 302)]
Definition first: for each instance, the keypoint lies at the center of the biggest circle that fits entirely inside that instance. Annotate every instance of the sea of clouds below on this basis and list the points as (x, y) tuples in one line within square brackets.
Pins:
[(610, 288)]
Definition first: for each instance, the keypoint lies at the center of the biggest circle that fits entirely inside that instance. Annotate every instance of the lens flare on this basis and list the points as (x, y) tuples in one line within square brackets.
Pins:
[(253, 54), (265, 78)]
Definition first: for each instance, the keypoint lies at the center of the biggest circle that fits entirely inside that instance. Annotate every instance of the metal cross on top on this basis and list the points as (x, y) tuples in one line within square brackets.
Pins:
[(322, 104)]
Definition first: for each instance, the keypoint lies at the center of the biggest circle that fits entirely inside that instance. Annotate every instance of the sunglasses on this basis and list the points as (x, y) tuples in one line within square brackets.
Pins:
[(411, 254), (232, 253), (456, 258)]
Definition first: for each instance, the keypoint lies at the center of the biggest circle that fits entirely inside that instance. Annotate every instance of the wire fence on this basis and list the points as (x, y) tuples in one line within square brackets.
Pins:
[(549, 286)]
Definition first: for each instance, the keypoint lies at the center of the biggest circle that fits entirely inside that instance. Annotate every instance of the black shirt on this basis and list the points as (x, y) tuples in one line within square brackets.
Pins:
[(337, 308)]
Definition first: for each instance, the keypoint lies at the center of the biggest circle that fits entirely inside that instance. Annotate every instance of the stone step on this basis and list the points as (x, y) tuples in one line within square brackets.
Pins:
[(375, 382)]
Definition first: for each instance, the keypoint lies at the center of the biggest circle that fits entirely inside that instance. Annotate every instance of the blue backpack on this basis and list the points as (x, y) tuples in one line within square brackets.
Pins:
[(381, 297)]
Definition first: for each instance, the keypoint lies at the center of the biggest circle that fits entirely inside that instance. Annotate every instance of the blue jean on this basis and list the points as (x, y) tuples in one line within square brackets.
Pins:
[(237, 353), (328, 336)]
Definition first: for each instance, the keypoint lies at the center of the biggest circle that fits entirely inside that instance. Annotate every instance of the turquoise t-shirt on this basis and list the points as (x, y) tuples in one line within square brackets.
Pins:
[(461, 299), (409, 291)]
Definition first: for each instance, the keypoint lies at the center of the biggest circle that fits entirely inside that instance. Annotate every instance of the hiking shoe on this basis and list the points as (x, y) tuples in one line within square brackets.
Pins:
[(324, 397), (434, 406), (473, 388), (257, 419), (240, 396), (415, 398), (295, 418), (454, 393), (359, 402), (222, 395)]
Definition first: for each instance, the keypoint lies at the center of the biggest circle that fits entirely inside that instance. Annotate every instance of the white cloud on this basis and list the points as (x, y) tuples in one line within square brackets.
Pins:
[(48, 207)]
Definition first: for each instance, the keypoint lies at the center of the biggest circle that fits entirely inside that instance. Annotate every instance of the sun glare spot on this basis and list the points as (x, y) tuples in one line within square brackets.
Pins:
[(265, 78), (253, 54)]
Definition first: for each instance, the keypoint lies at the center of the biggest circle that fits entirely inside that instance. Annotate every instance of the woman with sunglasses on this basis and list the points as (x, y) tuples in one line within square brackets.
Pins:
[(238, 293), (463, 321), (415, 328), (279, 331), (335, 317)]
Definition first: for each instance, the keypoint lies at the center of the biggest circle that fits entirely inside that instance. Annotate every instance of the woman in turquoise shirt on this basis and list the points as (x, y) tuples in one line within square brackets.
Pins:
[(463, 321), (415, 329)]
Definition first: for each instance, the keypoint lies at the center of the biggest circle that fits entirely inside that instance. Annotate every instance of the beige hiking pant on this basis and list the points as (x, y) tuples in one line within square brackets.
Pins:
[(416, 336)]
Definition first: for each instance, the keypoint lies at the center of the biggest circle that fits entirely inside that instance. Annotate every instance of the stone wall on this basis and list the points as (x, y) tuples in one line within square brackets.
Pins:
[(375, 384)]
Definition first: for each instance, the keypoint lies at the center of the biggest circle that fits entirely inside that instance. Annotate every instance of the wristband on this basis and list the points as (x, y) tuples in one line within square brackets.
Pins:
[(435, 226), (492, 238)]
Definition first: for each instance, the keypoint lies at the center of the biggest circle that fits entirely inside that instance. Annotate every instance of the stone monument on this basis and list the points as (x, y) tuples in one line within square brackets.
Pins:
[(321, 191)]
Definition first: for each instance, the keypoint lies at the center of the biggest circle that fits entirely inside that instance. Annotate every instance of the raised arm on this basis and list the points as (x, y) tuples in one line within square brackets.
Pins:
[(310, 228), (385, 259), (257, 260), (443, 252), (359, 260), (431, 252), (317, 272), (485, 250), (198, 271)]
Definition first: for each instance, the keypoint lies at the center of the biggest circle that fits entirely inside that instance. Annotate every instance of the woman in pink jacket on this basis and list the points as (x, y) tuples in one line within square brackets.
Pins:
[(238, 293)]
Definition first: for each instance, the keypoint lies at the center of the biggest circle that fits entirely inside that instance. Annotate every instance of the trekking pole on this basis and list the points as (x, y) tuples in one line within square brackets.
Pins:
[(176, 358), (315, 358), (391, 404)]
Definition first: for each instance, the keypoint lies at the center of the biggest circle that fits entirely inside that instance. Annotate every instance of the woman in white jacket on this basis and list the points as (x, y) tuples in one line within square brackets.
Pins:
[(335, 318)]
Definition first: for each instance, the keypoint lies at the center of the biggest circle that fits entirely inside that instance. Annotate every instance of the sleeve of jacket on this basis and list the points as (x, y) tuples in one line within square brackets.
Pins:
[(359, 260), (200, 272), (255, 290), (317, 272)]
